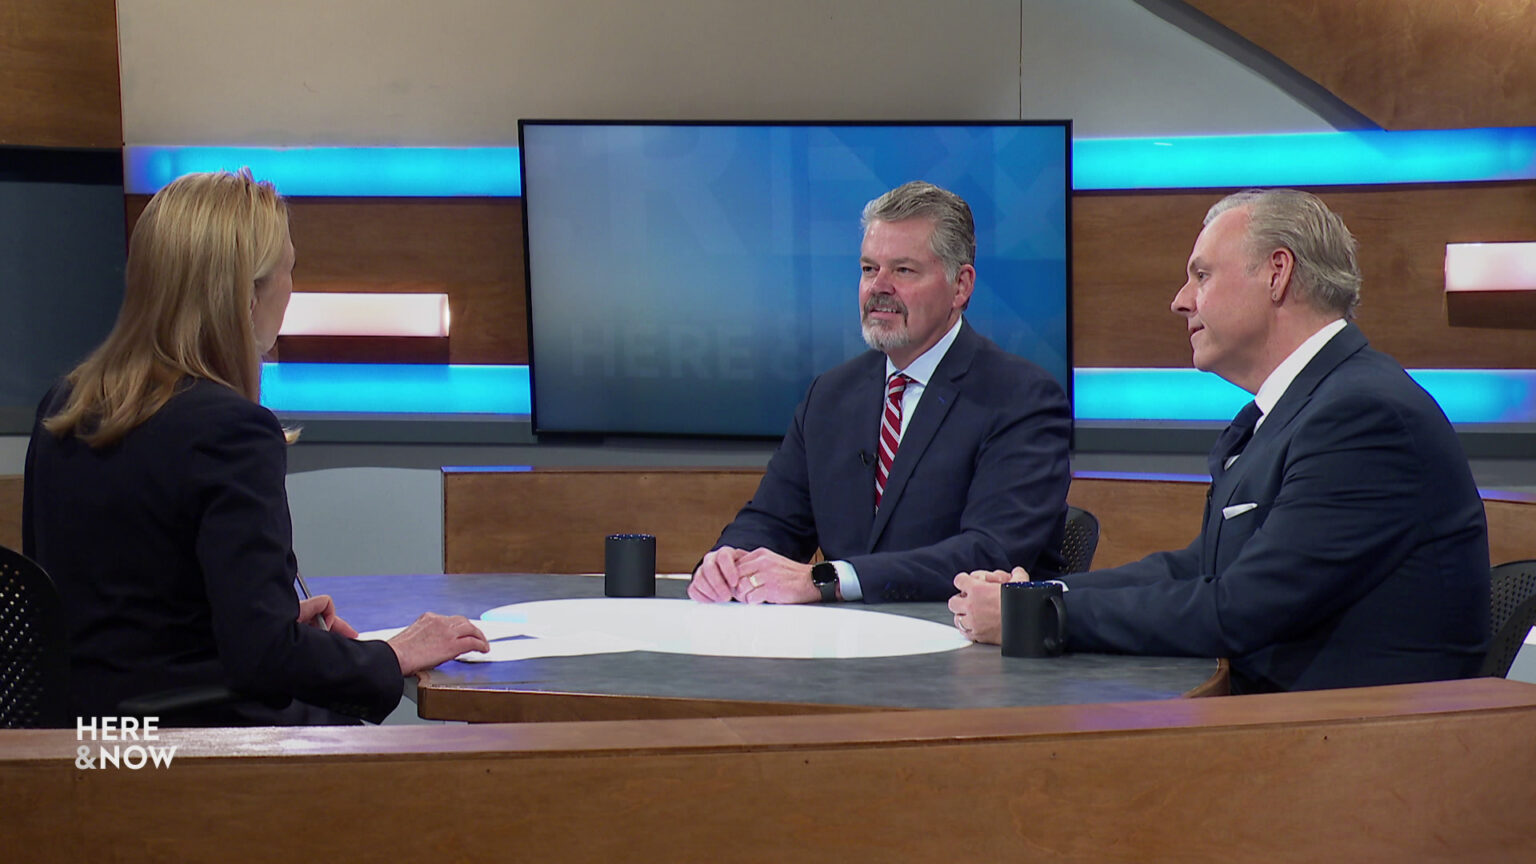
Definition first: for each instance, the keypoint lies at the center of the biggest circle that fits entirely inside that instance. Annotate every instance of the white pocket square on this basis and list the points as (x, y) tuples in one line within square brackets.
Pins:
[(1237, 509)]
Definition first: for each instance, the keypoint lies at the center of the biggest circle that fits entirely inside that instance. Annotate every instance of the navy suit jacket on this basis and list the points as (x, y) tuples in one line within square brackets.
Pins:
[(979, 480), (172, 552), (1364, 560)]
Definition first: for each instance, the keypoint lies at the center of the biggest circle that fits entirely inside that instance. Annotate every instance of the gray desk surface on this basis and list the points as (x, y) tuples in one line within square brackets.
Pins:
[(974, 677)]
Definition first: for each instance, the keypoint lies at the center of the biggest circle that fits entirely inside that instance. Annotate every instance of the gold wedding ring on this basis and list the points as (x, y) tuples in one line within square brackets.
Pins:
[(755, 583)]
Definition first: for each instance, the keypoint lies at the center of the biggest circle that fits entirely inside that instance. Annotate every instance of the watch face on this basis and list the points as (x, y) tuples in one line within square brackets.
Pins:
[(823, 574)]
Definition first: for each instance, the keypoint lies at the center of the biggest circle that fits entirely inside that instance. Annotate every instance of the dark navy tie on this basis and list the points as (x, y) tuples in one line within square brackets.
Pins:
[(1234, 438)]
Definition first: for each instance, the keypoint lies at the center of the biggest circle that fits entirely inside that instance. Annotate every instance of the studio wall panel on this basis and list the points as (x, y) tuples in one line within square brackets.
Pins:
[(469, 248), (58, 74), (462, 72), (1130, 250), (1406, 64)]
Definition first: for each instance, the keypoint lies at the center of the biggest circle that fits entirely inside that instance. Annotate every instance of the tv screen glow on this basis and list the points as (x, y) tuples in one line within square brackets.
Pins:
[(692, 278)]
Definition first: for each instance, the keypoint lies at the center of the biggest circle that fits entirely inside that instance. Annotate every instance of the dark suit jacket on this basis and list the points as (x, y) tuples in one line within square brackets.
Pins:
[(1364, 562), (979, 480), (172, 551)]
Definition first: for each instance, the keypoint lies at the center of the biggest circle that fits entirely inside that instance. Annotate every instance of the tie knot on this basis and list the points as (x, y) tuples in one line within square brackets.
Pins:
[(896, 386), (1248, 417)]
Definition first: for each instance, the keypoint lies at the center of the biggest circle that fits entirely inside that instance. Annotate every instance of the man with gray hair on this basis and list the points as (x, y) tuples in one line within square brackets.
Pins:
[(1344, 543), (934, 452)]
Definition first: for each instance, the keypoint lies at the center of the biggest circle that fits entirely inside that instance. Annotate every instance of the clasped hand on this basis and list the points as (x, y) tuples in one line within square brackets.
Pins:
[(978, 607), (758, 576)]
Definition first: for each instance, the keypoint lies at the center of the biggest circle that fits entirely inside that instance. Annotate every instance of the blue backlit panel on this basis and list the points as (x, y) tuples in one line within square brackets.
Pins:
[(1154, 394), (1310, 159), (1226, 161), (395, 388), (430, 172), (1466, 395)]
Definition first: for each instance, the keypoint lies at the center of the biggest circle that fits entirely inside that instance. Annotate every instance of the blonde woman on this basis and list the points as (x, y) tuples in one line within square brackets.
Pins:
[(155, 489)]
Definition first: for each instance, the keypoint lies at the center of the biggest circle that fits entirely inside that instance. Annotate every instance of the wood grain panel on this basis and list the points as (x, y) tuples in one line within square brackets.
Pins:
[(511, 706), (1129, 252), (1406, 64), (553, 520), (10, 511), (362, 349), (1511, 526), (468, 248), (1503, 310), (1139, 517), (1130, 249), (1423, 772), (58, 74)]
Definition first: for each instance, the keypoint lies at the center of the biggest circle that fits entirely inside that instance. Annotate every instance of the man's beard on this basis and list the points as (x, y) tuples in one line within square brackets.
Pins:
[(883, 336)]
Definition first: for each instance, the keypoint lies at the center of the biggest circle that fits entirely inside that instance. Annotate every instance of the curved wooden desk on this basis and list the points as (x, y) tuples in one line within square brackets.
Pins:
[(646, 685), (1421, 772)]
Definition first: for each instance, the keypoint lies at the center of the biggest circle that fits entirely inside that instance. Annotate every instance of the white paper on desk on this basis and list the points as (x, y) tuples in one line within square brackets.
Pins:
[(570, 645), (493, 630), (813, 630)]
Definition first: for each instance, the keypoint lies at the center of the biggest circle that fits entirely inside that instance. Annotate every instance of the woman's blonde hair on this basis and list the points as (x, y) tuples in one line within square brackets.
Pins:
[(194, 260)]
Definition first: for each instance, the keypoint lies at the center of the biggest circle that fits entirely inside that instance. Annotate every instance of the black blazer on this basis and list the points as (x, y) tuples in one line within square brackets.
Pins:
[(1363, 558), (172, 551), (979, 480)]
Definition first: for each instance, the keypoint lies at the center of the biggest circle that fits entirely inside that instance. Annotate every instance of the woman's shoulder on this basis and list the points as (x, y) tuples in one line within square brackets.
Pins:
[(211, 405)]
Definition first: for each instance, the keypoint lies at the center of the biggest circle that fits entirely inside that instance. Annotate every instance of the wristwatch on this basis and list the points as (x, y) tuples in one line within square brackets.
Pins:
[(824, 577)]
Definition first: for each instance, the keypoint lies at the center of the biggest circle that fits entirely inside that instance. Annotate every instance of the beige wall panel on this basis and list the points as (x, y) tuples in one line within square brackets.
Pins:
[(1130, 249), (370, 72), (463, 71), (58, 74), (1407, 64)]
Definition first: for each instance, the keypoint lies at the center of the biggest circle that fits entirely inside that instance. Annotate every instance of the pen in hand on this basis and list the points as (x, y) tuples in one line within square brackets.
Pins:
[(318, 620)]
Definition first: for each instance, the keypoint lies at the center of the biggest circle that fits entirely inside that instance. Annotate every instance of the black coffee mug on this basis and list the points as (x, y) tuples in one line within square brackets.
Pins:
[(1034, 619), (629, 565)]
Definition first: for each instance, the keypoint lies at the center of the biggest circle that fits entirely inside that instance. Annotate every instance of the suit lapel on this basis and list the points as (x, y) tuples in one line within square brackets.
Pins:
[(1344, 344), (938, 397)]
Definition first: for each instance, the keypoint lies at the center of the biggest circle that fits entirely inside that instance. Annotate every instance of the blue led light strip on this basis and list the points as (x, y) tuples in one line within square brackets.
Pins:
[(1309, 159), (1312, 159), (395, 388), (1466, 395), (411, 172)]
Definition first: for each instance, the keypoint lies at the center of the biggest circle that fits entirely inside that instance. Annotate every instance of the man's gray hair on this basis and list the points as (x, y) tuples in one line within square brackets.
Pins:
[(954, 230), (1327, 274)]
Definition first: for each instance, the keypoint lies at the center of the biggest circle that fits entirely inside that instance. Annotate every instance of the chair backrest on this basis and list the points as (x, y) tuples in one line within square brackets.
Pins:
[(1513, 611), (1079, 541), (34, 649)]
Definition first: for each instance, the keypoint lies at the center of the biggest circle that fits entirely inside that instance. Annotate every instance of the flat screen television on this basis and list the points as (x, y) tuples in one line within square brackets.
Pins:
[(691, 278)]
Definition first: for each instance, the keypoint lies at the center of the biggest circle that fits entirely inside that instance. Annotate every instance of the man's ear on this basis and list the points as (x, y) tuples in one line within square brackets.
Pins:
[(1281, 267), (965, 283)]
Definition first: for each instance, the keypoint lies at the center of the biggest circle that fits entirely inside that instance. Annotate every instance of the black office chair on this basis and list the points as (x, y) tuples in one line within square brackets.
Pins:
[(1079, 541), (1514, 611), (34, 647)]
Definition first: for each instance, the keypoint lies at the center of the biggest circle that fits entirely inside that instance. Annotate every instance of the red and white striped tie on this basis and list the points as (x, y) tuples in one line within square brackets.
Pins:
[(890, 431)]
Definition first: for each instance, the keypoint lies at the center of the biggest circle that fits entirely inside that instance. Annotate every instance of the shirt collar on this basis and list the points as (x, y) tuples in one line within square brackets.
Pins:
[(921, 369), (1280, 380)]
